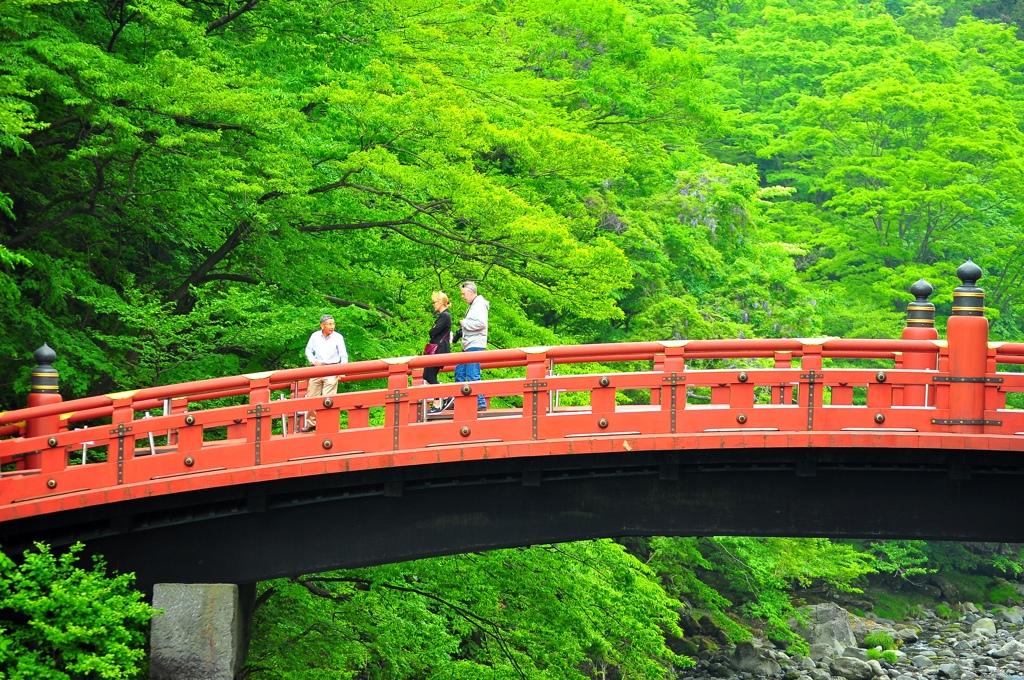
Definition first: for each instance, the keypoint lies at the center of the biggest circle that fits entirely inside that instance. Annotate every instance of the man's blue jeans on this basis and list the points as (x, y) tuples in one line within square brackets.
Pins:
[(469, 373)]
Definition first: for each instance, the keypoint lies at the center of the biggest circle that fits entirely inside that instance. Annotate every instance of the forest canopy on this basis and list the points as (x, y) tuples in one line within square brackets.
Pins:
[(185, 187)]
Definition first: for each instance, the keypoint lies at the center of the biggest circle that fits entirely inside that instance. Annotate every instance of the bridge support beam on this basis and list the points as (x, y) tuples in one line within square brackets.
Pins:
[(203, 631)]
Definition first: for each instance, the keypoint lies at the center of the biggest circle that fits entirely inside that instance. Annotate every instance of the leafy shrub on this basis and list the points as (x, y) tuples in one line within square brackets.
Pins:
[(888, 655), (943, 611), (62, 622), (879, 639)]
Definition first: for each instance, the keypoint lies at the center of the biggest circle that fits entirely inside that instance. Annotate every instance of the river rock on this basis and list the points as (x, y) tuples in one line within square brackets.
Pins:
[(1012, 615), (907, 634), (826, 623), (862, 627), (920, 661), (1008, 649), (851, 669), (984, 625), (748, 658), (951, 671), (855, 653), (822, 650), (876, 669)]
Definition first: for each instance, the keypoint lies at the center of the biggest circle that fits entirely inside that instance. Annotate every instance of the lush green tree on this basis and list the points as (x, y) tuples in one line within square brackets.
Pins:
[(59, 621), (575, 610), (901, 140)]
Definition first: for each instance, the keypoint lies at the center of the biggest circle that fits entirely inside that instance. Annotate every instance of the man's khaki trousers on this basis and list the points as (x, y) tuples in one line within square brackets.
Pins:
[(320, 387)]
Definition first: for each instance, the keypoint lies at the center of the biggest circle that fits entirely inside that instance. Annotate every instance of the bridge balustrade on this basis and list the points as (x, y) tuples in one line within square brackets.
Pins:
[(761, 394)]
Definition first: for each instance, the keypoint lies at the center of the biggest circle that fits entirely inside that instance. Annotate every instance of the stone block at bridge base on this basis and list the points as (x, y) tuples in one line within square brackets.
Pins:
[(201, 633)]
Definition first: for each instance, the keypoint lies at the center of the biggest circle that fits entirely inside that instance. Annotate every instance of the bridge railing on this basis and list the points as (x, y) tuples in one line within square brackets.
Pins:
[(770, 395)]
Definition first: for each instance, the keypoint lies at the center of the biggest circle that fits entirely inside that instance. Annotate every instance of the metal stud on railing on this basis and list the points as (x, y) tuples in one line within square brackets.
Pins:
[(189, 461), (327, 444), (879, 418), (190, 419), (51, 483), (604, 381), (328, 402), (741, 418), (743, 377), (465, 431), (52, 442), (602, 423), (467, 390), (880, 376)]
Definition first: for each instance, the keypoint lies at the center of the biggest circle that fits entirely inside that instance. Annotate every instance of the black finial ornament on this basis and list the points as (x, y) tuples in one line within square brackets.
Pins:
[(45, 378), (968, 298), (920, 312)]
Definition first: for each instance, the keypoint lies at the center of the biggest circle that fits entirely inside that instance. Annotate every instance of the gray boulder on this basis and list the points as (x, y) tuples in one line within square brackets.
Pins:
[(984, 625), (747, 658), (822, 650), (1012, 615), (1009, 649), (855, 653), (920, 661), (851, 669), (950, 670), (826, 623), (862, 627), (907, 634)]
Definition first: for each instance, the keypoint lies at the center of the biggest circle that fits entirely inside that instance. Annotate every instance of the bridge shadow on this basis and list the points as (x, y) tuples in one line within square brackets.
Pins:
[(286, 527)]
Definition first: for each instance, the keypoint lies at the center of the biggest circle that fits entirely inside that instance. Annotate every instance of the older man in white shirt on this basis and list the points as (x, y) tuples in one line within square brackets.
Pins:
[(325, 347)]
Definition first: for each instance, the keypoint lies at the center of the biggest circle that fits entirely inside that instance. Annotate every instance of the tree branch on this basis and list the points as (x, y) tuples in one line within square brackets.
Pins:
[(360, 305), (217, 23)]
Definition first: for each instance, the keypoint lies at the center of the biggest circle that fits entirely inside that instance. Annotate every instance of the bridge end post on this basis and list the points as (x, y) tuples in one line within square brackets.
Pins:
[(967, 335), (920, 326), (44, 389)]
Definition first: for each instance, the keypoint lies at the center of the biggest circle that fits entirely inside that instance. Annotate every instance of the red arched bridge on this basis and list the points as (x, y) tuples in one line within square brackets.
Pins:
[(213, 480)]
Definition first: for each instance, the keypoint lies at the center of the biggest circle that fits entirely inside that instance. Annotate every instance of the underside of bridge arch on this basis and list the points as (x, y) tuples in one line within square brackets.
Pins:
[(253, 532)]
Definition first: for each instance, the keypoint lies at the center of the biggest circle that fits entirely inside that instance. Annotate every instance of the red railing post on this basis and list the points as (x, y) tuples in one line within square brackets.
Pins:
[(44, 389), (920, 326), (811, 385), (122, 434), (417, 409), (783, 393), (659, 367), (396, 416), (673, 391), (258, 424), (536, 392), (967, 334)]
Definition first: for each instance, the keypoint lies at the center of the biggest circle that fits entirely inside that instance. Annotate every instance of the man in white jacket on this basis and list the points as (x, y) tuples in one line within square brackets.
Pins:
[(473, 329)]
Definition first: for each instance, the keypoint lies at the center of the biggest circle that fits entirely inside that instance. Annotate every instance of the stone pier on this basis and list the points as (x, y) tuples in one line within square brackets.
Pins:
[(202, 633)]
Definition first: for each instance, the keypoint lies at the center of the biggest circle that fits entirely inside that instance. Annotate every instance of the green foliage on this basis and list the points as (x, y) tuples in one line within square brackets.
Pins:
[(886, 655), (761, 571), (902, 558), (1001, 593), (879, 639), (899, 606), (943, 611), (62, 622), (561, 611)]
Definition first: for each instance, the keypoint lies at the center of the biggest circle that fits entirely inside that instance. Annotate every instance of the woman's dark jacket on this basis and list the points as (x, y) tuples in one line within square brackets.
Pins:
[(441, 332)]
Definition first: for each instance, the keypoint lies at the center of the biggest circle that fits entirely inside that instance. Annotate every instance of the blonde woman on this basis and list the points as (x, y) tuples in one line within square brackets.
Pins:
[(440, 335)]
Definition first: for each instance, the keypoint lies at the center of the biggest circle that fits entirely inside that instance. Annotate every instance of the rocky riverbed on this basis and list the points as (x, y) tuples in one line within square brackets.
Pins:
[(971, 643)]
